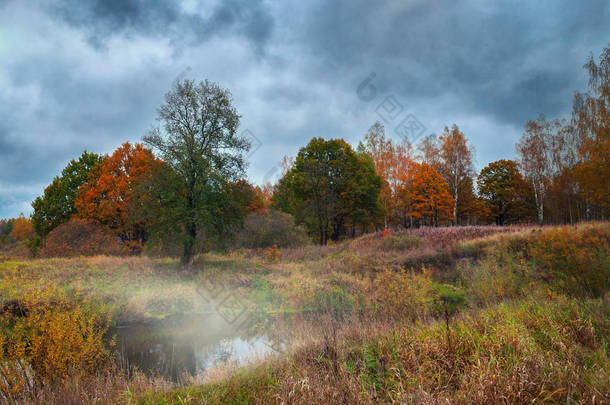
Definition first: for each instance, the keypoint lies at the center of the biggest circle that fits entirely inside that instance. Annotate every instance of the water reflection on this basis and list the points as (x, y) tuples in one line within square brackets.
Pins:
[(187, 344)]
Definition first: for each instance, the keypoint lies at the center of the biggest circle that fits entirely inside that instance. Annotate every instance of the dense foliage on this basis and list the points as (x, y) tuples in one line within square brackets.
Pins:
[(56, 205), (330, 189), (109, 196), (504, 190)]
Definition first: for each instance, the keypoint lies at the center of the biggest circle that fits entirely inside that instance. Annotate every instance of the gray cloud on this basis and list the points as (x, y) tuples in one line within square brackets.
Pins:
[(89, 74), (511, 59), (167, 18)]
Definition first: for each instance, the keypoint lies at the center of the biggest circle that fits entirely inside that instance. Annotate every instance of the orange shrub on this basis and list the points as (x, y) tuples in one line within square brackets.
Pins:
[(82, 238), (272, 254)]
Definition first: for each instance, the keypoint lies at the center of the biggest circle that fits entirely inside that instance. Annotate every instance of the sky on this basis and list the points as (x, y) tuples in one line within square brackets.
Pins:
[(86, 74)]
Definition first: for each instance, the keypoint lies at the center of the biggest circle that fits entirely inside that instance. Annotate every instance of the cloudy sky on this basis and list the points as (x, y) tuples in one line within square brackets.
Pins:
[(79, 74)]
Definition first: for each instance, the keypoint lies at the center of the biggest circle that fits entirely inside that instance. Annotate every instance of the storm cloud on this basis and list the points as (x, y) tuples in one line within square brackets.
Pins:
[(78, 75)]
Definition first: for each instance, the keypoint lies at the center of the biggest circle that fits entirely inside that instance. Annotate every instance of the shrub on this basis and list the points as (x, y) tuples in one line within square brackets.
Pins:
[(272, 254), (52, 338), (577, 261), (448, 301), (270, 227), (404, 294), (500, 275), (82, 238)]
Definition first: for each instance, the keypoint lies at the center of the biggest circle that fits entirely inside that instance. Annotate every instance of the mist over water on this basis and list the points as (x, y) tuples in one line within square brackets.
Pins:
[(188, 345)]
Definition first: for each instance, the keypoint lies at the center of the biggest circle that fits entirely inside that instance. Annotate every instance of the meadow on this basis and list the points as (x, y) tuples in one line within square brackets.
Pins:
[(458, 314)]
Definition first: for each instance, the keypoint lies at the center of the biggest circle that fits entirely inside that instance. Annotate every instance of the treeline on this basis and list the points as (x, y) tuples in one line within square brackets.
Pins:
[(183, 190), (561, 175)]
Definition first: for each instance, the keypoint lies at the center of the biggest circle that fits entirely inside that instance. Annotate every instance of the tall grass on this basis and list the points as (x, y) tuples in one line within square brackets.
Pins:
[(369, 329)]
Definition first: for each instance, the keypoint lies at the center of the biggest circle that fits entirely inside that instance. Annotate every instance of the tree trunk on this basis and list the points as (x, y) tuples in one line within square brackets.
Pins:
[(191, 233), (587, 208), (321, 236), (455, 203), (189, 245)]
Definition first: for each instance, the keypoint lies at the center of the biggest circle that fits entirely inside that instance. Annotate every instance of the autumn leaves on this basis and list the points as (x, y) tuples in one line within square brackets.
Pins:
[(110, 196), (431, 186)]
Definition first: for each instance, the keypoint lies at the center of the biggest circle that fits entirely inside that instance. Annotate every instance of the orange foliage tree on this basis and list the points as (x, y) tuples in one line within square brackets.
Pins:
[(391, 162), (250, 197), (109, 197), (22, 229), (428, 194)]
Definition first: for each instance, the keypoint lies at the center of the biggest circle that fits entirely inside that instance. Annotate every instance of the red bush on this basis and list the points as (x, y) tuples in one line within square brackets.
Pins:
[(80, 237)]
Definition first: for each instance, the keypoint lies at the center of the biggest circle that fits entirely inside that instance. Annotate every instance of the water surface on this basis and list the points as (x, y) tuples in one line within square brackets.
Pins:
[(188, 344)]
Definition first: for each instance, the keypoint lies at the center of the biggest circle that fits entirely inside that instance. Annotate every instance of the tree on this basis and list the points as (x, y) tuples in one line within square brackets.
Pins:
[(456, 163), (591, 120), (429, 195), (503, 188), (22, 229), (6, 226), (536, 149), (56, 205), (361, 200), (381, 151), (471, 207), (249, 197), (329, 186), (390, 161), (430, 152), (198, 141), (108, 198)]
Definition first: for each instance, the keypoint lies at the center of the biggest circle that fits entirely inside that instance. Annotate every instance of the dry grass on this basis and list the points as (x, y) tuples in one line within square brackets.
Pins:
[(520, 341), (523, 352)]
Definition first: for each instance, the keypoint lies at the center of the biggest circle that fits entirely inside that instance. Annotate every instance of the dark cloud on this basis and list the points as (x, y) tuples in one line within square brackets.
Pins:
[(511, 59), (79, 74), (167, 19)]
